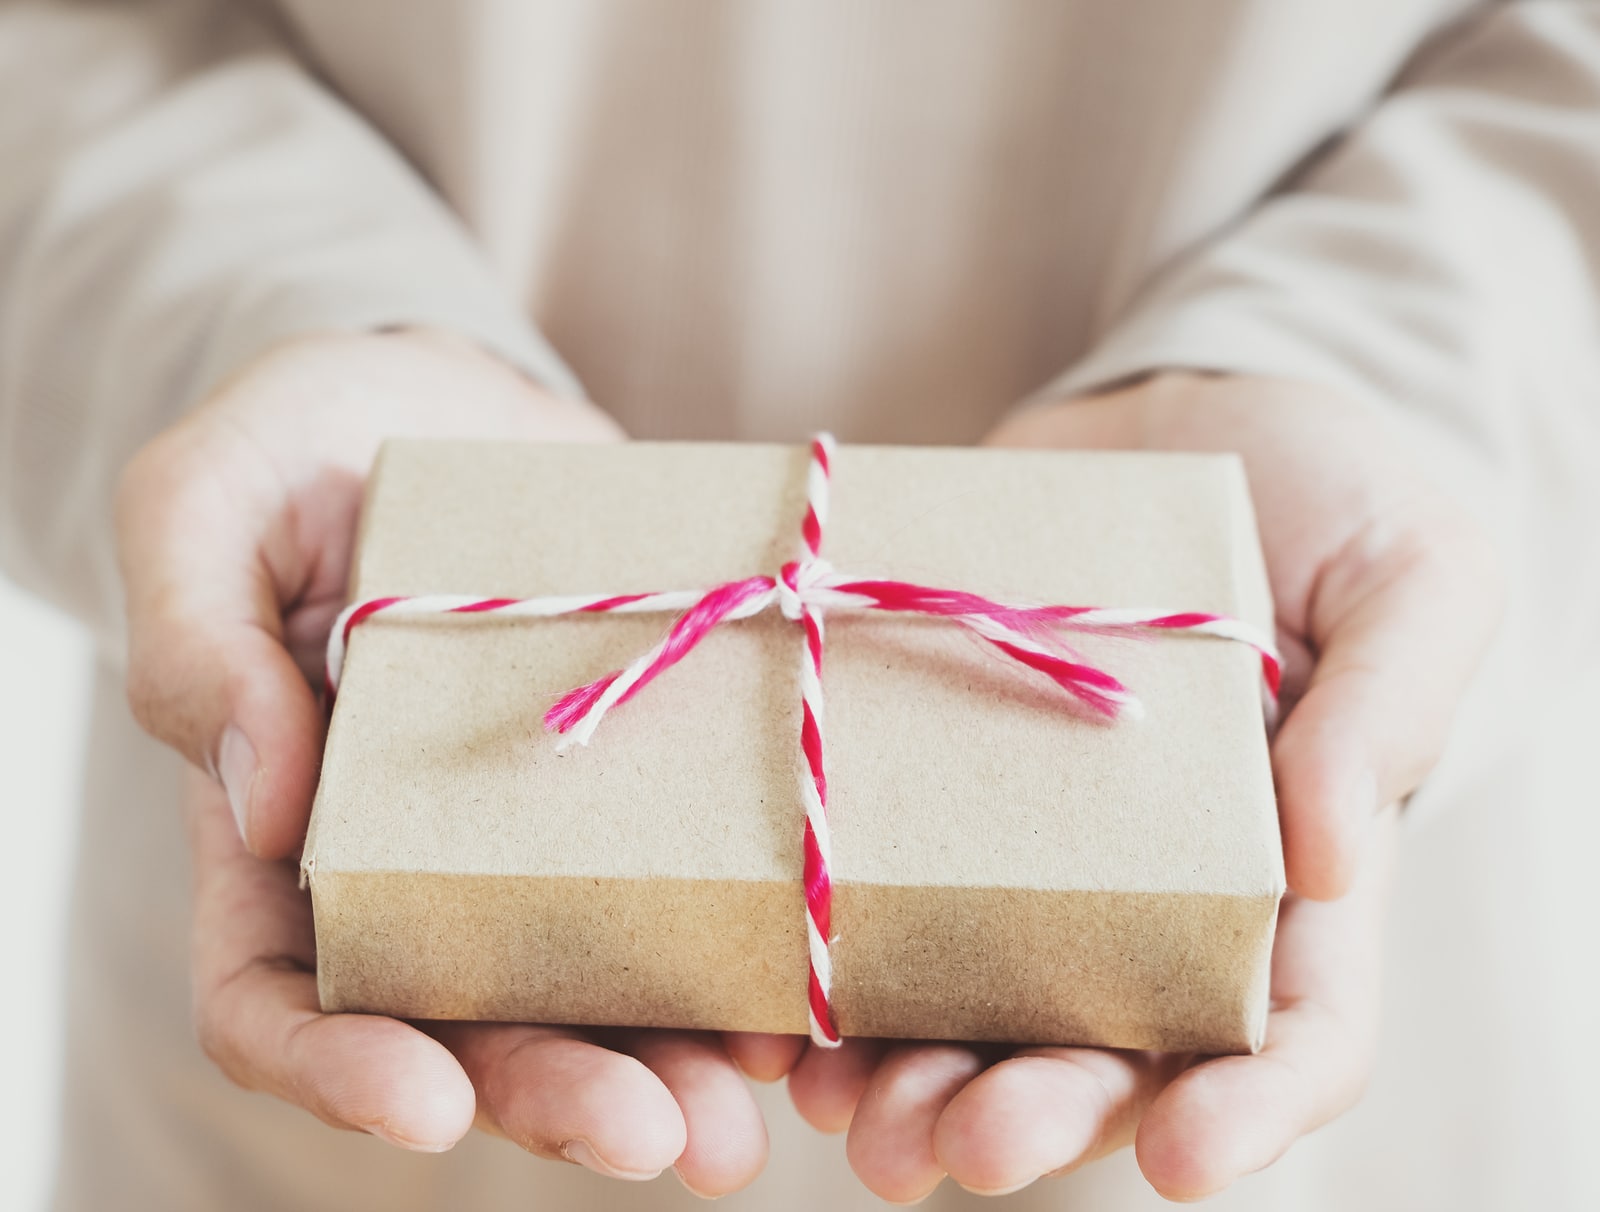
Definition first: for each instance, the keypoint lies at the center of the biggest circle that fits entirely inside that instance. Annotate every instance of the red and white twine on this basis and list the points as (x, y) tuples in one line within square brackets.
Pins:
[(804, 590)]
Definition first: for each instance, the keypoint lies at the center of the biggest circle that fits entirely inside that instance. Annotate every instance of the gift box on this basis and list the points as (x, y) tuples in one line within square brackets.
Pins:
[(1006, 864)]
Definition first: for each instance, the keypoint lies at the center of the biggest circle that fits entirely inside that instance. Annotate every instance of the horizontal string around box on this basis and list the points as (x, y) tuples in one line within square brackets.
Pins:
[(804, 590)]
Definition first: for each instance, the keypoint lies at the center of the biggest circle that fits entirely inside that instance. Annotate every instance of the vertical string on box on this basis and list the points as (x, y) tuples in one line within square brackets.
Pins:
[(814, 780)]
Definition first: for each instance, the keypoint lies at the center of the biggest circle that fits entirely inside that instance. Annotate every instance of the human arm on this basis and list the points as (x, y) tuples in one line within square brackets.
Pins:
[(179, 196)]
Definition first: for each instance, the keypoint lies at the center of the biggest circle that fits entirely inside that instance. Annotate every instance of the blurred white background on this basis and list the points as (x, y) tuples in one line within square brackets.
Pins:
[(44, 680)]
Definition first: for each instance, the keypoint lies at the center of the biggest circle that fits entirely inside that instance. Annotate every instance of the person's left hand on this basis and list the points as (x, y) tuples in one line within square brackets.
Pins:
[(1386, 595), (917, 1111)]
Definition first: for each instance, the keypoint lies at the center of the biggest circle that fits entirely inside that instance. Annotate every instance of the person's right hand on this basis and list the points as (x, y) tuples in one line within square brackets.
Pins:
[(1387, 594), (235, 532)]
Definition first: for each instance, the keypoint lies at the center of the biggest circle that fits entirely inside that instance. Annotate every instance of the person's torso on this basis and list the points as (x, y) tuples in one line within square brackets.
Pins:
[(893, 218)]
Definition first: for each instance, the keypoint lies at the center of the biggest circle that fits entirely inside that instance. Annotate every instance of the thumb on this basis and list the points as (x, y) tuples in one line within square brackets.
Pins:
[(208, 670), (1399, 619)]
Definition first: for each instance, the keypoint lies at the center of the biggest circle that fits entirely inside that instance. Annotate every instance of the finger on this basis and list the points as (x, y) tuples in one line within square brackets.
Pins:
[(764, 1057), (1046, 1111), (890, 1146), (1234, 1115), (208, 672), (727, 1138), (256, 1010), (1400, 619), (827, 1083), (558, 1095)]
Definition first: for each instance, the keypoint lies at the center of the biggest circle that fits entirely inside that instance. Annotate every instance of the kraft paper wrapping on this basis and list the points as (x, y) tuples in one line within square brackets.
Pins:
[(1005, 867)]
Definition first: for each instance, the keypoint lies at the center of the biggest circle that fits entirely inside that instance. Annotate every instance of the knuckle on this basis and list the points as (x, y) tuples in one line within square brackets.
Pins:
[(133, 481), (180, 684), (144, 694), (146, 481), (1349, 1055), (217, 1044), (219, 1016), (149, 691), (1357, 1079)]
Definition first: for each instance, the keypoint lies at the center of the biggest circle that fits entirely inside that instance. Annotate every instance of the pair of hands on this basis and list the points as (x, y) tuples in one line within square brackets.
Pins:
[(236, 528)]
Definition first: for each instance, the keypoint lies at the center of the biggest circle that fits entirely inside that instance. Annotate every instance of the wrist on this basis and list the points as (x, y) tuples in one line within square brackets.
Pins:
[(568, 418)]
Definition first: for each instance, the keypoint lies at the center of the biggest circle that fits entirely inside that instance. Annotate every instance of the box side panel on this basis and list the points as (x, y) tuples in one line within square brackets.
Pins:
[(1169, 971), (1176, 972), (657, 953)]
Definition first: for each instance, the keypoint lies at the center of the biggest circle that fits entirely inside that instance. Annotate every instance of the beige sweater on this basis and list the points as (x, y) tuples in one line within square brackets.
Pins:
[(897, 220)]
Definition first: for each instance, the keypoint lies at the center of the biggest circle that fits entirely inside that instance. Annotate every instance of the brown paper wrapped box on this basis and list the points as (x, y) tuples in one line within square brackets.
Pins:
[(1005, 868)]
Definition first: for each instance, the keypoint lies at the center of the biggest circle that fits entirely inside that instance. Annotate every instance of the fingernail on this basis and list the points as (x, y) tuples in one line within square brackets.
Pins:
[(690, 1188), (236, 764), (990, 1192), (401, 1142), (913, 1201), (579, 1150)]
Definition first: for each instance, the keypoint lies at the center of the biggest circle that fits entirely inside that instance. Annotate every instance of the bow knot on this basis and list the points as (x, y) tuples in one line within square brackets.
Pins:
[(796, 579)]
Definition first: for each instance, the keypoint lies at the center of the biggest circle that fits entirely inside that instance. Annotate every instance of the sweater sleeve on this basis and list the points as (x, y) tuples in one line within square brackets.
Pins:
[(1440, 264), (178, 195)]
